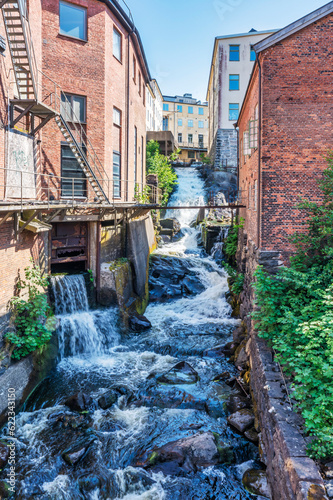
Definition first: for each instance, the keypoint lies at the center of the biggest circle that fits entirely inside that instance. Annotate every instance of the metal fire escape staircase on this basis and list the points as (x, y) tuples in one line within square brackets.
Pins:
[(35, 100)]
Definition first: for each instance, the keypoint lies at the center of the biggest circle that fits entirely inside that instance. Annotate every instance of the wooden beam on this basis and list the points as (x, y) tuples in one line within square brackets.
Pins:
[(52, 216), (6, 217), (44, 122), (21, 115), (36, 212)]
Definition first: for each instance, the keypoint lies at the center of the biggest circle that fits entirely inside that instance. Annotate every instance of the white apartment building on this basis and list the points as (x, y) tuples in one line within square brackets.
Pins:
[(231, 68), (154, 106)]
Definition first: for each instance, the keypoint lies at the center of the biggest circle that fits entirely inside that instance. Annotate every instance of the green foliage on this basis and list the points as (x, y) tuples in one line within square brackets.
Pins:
[(295, 314), (236, 279), (33, 318), (160, 165), (231, 241), (205, 159), (142, 197), (91, 276)]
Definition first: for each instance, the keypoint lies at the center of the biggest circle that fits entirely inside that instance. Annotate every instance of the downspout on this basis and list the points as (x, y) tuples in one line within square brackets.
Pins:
[(128, 110), (259, 154)]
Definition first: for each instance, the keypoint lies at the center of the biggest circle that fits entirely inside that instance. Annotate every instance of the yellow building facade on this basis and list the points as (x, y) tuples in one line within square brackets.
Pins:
[(187, 119)]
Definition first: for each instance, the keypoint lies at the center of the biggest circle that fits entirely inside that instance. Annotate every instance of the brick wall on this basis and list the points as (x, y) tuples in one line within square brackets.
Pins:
[(296, 130)]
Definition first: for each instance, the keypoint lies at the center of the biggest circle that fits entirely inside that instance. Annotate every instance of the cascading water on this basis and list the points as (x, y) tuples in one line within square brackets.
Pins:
[(135, 414), (80, 331)]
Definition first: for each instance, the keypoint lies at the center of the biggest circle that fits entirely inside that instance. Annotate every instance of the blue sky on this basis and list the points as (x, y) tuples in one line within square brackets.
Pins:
[(178, 35)]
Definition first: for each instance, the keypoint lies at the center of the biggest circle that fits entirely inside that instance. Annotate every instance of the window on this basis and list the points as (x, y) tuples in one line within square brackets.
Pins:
[(233, 82), (201, 124), (142, 156), (249, 198), (135, 152), (191, 155), (180, 108), (116, 174), (139, 83), (201, 141), (255, 194), (144, 94), (180, 137), (233, 112), (180, 122), (73, 108), (252, 55), (165, 107), (134, 69), (71, 170), (190, 138), (201, 111), (116, 117), (246, 145), (190, 123), (117, 44), (73, 20), (165, 123), (233, 52), (190, 110)]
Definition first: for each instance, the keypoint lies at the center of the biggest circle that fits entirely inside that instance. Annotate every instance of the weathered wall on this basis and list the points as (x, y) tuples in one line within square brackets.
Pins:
[(224, 148)]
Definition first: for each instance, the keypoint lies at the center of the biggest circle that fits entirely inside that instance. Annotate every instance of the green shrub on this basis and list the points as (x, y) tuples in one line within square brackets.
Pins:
[(160, 165), (295, 314), (231, 241), (33, 318)]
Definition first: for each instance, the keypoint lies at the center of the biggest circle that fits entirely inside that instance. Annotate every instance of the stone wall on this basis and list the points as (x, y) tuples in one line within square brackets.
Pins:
[(224, 148), (292, 475)]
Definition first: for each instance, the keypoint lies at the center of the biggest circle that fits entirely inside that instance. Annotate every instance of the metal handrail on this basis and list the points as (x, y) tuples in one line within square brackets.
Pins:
[(53, 98), (26, 187), (29, 45)]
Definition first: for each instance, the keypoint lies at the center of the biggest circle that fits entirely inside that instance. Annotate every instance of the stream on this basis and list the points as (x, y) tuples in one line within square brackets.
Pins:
[(100, 445)]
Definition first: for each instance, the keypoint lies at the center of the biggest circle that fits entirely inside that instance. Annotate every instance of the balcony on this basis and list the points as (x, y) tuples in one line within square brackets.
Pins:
[(197, 145)]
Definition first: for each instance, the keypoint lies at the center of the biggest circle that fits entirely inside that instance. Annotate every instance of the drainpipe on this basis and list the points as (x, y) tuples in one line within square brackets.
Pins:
[(259, 154), (128, 110)]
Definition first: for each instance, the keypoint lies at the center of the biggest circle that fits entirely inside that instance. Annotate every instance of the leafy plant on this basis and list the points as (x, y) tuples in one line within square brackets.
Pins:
[(33, 318), (236, 279), (295, 314), (91, 276), (142, 197), (231, 241), (205, 159), (160, 165)]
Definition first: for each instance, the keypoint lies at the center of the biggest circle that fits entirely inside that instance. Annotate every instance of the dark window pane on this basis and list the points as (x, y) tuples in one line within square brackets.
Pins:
[(73, 182), (116, 175)]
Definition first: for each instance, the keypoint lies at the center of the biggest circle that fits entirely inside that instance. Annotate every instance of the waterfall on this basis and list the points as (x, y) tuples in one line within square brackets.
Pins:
[(217, 250), (81, 331)]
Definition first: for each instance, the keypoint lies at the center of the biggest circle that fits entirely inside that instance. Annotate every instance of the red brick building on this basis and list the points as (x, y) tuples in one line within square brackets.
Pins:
[(285, 130), (73, 81)]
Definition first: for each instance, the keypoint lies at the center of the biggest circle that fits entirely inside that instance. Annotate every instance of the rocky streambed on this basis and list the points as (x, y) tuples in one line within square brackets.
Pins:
[(157, 411)]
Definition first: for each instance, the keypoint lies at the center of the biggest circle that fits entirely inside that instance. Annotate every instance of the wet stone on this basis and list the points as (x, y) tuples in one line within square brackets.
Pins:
[(181, 373), (255, 481), (252, 436), (108, 399), (74, 453), (139, 323), (236, 403), (241, 420), (171, 398), (215, 352), (5, 491), (80, 402), (4, 455)]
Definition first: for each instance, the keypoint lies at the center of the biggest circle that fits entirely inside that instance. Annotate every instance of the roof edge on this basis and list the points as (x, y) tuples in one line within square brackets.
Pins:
[(294, 27)]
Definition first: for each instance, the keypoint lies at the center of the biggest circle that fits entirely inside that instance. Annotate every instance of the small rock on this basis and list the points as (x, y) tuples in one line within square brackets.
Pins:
[(170, 224), (222, 376), (4, 455), (230, 348), (329, 489), (238, 334), (89, 483), (252, 436), (108, 399), (236, 403), (5, 492), (171, 398), (181, 373), (192, 286), (215, 352), (80, 402), (255, 481), (241, 420), (139, 323), (241, 359), (73, 454), (328, 470)]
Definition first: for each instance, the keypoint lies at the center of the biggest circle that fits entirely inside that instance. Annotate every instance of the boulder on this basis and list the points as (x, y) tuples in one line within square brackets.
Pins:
[(241, 359), (139, 323), (108, 399), (4, 455), (184, 455), (222, 377), (236, 403), (192, 286), (252, 436), (255, 481), (230, 348), (181, 373), (80, 402), (241, 420)]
